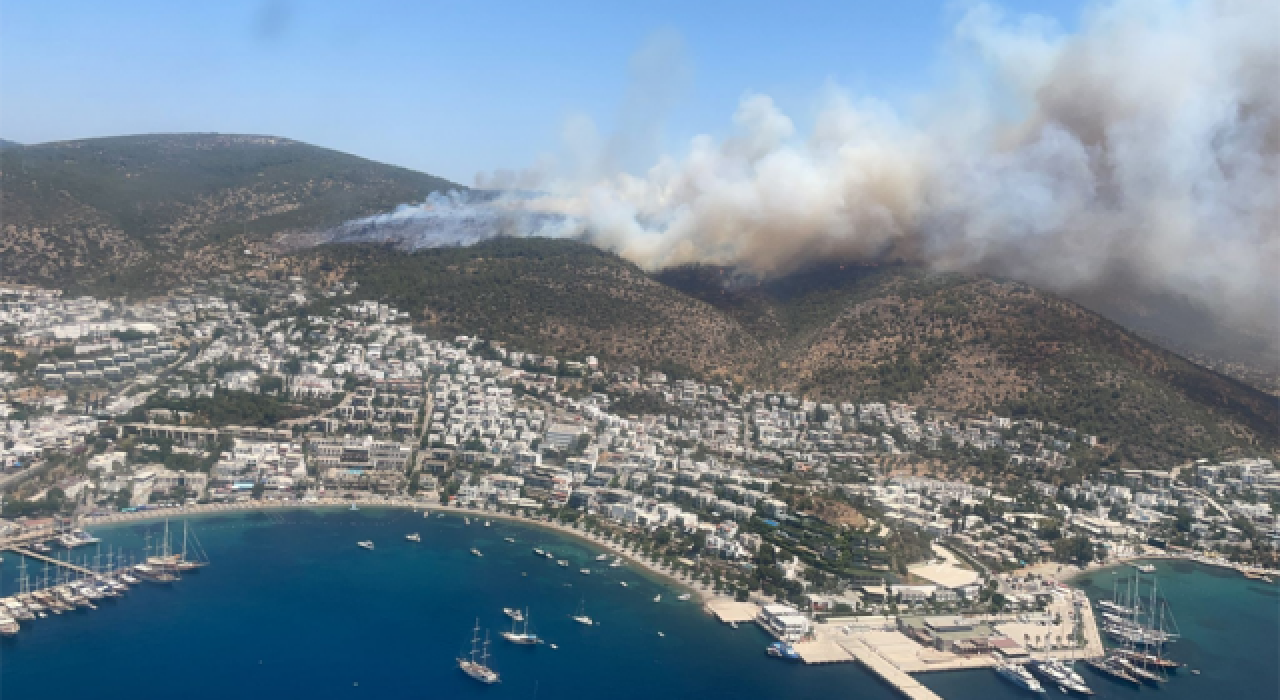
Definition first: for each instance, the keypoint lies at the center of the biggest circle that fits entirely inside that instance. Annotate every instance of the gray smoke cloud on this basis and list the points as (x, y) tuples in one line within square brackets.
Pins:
[(1139, 152)]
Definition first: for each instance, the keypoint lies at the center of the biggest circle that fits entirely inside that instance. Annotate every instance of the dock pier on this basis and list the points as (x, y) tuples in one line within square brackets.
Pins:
[(897, 678), (51, 560)]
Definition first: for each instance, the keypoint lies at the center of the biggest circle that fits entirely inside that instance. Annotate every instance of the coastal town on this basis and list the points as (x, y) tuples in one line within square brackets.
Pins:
[(904, 537)]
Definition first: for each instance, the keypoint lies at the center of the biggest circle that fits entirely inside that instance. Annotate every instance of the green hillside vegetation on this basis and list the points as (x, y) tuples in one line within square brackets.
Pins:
[(885, 333), (545, 296), (143, 213)]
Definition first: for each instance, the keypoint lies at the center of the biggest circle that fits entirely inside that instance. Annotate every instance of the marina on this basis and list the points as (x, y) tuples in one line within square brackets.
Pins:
[(69, 585)]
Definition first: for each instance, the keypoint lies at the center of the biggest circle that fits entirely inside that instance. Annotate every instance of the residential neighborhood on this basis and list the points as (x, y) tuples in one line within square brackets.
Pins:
[(233, 392)]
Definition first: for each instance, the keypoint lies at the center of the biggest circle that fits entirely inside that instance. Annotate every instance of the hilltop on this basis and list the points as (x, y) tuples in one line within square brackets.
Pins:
[(951, 342), (139, 214)]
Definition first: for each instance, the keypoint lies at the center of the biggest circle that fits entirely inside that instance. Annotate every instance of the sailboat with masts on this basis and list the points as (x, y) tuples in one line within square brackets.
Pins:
[(478, 670), (160, 568), (193, 556), (524, 636)]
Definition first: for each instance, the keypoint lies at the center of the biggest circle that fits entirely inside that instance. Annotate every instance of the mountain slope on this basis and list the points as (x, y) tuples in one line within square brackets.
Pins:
[(945, 341), (976, 344), (546, 296), (141, 213)]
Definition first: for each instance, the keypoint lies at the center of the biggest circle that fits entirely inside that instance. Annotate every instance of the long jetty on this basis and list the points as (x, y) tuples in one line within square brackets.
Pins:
[(889, 673), (52, 560)]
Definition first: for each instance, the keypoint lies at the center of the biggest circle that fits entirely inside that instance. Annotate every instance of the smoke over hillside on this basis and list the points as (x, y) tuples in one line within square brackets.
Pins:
[(1139, 153)]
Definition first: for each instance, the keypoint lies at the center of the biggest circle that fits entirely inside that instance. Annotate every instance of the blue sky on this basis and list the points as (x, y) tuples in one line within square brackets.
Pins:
[(449, 88)]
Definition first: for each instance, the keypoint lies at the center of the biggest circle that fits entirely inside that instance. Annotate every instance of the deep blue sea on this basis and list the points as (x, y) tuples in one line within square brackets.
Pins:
[(292, 608)]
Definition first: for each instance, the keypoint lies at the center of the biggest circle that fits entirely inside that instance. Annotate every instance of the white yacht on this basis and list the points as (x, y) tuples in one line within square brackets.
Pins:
[(413, 537), (657, 598), (365, 544), (581, 616), (1020, 677), (476, 552), (524, 636)]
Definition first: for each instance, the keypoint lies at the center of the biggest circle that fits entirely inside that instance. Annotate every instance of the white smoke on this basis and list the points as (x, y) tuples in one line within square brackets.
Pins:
[(454, 218), (1137, 153)]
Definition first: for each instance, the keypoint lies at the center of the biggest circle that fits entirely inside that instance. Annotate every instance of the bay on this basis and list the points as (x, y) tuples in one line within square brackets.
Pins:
[(291, 608)]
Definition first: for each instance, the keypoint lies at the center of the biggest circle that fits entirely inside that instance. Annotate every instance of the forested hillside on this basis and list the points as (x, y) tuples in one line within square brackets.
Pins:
[(142, 213)]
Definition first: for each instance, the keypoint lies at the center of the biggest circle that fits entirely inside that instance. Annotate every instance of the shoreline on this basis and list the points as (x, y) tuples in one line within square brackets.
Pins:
[(1075, 572), (701, 594)]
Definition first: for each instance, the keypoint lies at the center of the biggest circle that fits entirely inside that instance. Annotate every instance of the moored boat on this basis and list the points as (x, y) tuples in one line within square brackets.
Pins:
[(1110, 670), (782, 650), (1020, 677)]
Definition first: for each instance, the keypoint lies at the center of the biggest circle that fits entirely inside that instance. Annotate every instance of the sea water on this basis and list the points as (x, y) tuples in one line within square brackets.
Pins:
[(291, 607)]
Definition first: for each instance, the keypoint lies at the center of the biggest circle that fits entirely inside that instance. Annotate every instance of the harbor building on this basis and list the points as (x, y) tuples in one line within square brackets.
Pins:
[(784, 622)]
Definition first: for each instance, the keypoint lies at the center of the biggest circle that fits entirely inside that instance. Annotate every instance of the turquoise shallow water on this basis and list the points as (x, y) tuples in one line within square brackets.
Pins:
[(292, 608)]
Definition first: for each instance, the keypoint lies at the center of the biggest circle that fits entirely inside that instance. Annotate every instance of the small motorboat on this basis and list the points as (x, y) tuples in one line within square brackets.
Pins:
[(657, 598), (365, 544), (413, 537), (476, 552)]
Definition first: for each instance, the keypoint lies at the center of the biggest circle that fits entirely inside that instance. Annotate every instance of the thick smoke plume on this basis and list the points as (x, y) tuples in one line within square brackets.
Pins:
[(1139, 153)]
